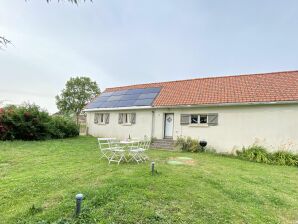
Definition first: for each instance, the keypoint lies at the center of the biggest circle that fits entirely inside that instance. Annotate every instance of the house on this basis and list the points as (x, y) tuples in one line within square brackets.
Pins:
[(228, 112)]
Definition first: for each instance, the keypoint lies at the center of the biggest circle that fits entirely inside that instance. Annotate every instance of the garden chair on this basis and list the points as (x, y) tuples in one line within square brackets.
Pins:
[(118, 152), (134, 151), (143, 147), (105, 149)]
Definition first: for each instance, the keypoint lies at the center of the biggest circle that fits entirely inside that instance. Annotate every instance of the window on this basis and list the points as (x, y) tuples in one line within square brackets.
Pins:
[(127, 118), (198, 119), (101, 118), (210, 119), (194, 119), (203, 119)]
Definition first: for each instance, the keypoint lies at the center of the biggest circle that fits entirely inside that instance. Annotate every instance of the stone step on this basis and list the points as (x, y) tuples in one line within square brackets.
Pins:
[(163, 144)]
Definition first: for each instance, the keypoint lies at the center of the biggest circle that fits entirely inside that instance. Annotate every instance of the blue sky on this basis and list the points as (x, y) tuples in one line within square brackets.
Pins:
[(127, 42)]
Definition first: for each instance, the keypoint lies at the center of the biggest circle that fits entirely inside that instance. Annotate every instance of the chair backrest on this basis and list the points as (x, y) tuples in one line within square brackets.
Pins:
[(113, 142), (146, 144), (135, 143), (104, 143)]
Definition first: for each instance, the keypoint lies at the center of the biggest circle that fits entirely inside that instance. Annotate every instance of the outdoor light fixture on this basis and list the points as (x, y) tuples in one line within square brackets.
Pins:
[(79, 198), (152, 168)]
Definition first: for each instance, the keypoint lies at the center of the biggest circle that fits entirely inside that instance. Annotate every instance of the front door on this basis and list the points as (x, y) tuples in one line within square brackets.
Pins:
[(169, 124)]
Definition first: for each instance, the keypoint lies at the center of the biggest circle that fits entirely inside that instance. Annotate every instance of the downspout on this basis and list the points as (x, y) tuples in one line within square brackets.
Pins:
[(152, 124)]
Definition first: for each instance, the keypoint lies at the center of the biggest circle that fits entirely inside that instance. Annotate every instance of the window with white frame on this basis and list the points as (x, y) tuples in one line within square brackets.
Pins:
[(210, 119), (198, 119)]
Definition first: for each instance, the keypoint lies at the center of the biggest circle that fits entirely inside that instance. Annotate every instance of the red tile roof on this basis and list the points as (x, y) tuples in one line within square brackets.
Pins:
[(267, 87)]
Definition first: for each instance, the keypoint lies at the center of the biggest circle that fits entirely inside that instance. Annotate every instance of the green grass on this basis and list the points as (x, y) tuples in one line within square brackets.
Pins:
[(39, 180)]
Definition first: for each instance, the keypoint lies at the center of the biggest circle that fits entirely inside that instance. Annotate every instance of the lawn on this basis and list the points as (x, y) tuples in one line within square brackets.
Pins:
[(39, 181)]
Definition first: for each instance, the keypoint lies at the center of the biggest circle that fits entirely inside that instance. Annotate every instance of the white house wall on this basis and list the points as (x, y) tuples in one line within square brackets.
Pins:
[(141, 128), (274, 126)]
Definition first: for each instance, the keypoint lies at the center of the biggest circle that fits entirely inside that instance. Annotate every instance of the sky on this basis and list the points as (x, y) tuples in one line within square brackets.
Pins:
[(123, 42)]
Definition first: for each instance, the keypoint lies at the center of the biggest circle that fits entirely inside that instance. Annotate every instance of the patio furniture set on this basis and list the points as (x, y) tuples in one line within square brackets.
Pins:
[(127, 150)]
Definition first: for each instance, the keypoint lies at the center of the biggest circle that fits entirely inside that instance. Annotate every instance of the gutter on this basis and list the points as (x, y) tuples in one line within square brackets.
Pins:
[(193, 106), (229, 104), (118, 108)]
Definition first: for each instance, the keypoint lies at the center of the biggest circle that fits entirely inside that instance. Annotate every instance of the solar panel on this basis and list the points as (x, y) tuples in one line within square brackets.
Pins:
[(117, 93), (113, 98), (129, 97), (147, 96), (143, 102), (125, 98), (125, 103)]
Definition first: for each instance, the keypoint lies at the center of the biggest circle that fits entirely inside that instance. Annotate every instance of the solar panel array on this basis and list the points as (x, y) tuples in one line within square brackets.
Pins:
[(125, 98)]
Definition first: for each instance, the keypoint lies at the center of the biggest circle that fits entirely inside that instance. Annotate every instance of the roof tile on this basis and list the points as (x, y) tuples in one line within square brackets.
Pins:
[(267, 87)]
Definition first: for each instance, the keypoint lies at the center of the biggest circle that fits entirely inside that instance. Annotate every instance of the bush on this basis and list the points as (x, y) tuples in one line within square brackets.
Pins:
[(188, 144), (29, 122), (260, 154), (63, 127), (284, 158), (255, 153)]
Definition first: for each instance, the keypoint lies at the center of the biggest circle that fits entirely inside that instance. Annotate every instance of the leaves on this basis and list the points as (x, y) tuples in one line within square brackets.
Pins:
[(77, 93)]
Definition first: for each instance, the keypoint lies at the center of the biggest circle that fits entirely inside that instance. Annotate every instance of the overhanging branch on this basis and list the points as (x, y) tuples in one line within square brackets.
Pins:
[(4, 42)]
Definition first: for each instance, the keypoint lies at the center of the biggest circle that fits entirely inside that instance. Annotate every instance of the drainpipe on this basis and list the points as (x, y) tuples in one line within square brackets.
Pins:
[(152, 124)]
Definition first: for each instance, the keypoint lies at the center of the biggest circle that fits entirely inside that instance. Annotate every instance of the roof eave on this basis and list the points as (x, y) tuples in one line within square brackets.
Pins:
[(229, 104), (118, 108)]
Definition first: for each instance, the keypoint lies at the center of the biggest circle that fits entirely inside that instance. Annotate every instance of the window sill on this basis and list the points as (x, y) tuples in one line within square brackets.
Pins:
[(128, 124), (199, 125), (101, 123)]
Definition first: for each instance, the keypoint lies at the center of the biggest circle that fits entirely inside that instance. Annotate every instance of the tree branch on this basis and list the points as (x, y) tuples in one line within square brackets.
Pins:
[(4, 42)]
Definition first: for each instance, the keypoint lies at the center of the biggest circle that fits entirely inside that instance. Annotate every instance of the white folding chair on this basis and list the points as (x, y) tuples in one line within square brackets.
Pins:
[(105, 149), (134, 151), (144, 146), (118, 151)]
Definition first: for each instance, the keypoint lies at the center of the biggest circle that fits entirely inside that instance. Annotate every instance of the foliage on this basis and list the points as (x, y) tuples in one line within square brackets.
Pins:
[(63, 127), (29, 122), (261, 155), (255, 153), (77, 93), (214, 189), (284, 158), (188, 144)]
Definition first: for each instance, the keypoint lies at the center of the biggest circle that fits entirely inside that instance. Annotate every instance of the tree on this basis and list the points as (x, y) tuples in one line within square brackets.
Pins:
[(77, 93)]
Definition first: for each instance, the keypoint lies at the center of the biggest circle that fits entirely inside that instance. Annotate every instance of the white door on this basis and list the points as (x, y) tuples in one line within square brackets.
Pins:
[(169, 124)]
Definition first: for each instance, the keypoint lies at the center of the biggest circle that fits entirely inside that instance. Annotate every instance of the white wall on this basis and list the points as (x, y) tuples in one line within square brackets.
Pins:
[(274, 126), (141, 128)]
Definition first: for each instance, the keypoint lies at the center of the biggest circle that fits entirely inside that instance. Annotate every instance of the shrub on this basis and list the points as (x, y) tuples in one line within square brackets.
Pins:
[(284, 158), (63, 127), (260, 154), (29, 122), (188, 144), (255, 153)]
